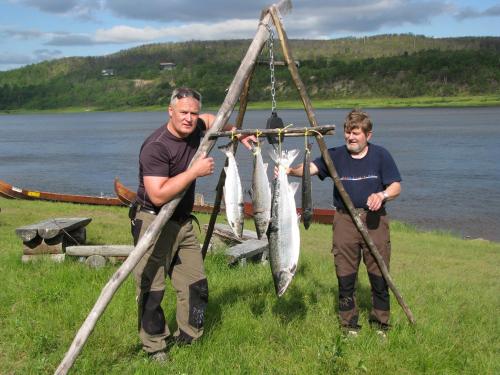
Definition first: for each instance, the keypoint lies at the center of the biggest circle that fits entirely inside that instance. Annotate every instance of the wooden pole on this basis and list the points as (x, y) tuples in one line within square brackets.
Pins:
[(167, 210), (331, 168)]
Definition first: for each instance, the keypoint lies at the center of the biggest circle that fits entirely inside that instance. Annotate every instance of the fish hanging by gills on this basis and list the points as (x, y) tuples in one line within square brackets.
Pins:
[(307, 209), (260, 193), (233, 193), (283, 232)]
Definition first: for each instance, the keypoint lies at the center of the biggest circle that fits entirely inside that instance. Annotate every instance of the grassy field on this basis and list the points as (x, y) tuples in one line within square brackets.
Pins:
[(418, 102), (452, 286)]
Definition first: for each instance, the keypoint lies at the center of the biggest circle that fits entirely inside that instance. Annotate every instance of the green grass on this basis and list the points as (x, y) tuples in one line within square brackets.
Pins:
[(452, 286), (418, 102)]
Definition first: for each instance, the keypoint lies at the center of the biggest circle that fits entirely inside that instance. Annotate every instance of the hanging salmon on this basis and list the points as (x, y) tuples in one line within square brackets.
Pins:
[(283, 232), (233, 193), (260, 193)]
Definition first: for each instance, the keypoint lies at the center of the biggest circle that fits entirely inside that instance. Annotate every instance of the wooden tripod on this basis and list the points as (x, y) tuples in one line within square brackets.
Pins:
[(237, 90)]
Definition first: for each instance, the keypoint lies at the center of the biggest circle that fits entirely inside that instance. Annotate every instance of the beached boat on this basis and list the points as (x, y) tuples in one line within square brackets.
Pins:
[(127, 196), (9, 191)]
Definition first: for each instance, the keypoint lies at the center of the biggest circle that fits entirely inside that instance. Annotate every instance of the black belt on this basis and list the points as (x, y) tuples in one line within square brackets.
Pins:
[(151, 212), (179, 220), (360, 211)]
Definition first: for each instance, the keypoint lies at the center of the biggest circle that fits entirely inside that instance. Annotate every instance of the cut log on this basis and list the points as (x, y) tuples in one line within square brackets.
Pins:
[(103, 250), (246, 250), (95, 261)]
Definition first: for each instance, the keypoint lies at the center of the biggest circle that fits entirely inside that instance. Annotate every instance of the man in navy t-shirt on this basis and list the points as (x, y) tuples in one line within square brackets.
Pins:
[(371, 178)]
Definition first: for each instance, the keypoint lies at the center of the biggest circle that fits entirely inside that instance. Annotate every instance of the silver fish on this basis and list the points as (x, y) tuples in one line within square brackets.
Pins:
[(233, 193), (307, 209), (283, 232), (260, 193)]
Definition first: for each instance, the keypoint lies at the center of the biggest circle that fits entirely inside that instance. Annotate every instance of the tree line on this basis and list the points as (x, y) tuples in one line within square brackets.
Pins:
[(382, 66)]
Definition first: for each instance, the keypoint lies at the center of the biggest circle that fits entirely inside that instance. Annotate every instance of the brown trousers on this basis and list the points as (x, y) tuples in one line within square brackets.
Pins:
[(177, 254), (348, 248)]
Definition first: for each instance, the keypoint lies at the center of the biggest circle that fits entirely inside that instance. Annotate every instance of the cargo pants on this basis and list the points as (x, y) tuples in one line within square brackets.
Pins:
[(175, 254), (348, 249)]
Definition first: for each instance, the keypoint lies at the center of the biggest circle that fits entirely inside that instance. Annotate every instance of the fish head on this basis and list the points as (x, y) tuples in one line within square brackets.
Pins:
[(281, 281)]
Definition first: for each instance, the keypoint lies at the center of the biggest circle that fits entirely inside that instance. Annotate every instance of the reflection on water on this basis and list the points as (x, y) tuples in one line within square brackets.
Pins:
[(449, 158)]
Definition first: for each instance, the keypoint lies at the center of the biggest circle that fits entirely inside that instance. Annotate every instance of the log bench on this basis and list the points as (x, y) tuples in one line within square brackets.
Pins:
[(52, 236)]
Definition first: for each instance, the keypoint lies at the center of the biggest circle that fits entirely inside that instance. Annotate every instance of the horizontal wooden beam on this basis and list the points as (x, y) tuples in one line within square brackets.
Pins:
[(285, 132)]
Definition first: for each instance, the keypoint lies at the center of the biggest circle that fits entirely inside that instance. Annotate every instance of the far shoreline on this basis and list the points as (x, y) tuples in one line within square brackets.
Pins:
[(384, 103)]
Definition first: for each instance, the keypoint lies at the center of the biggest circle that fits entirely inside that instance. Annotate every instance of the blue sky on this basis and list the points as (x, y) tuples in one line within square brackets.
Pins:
[(35, 30)]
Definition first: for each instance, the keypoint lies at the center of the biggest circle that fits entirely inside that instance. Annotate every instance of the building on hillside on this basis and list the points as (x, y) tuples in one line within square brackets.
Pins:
[(167, 65), (107, 72)]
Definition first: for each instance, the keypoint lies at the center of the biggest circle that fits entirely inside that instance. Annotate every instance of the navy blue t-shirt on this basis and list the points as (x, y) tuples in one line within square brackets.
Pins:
[(360, 177)]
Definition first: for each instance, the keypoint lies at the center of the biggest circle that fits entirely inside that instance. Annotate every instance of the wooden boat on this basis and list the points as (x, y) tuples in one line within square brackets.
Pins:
[(9, 191), (127, 196)]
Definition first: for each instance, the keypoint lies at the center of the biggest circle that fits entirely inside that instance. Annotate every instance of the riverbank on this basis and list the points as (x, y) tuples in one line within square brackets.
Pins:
[(418, 102), (44, 304)]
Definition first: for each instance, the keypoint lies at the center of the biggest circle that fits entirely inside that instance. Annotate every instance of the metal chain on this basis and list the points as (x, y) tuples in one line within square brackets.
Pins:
[(270, 46)]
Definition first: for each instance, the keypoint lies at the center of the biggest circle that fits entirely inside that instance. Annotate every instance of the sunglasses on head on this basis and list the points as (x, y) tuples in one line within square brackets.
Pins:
[(186, 93)]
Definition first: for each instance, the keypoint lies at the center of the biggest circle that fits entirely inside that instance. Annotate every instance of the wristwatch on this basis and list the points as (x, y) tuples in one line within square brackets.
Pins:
[(386, 196)]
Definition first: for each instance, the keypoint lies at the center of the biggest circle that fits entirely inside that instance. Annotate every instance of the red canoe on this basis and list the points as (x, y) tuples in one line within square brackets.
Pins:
[(9, 191)]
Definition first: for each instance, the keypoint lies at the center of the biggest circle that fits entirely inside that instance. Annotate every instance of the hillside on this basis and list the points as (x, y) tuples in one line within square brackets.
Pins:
[(380, 66)]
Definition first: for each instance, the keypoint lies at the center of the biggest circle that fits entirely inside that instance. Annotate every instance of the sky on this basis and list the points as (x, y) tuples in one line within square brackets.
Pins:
[(32, 31)]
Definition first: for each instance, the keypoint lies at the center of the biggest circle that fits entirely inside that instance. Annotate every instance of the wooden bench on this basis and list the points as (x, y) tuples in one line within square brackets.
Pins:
[(248, 247), (52, 236)]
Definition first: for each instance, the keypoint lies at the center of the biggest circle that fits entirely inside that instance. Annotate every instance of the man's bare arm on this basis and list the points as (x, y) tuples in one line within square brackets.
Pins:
[(298, 170), (163, 189)]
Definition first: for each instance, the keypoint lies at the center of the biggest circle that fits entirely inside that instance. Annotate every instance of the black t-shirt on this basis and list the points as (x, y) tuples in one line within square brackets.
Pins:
[(164, 155), (360, 177)]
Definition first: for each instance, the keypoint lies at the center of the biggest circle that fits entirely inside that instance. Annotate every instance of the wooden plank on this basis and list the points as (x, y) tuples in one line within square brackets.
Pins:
[(51, 228), (103, 250), (247, 249), (226, 234)]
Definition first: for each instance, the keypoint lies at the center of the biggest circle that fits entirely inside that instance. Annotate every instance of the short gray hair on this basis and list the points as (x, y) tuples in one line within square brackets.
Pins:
[(184, 92)]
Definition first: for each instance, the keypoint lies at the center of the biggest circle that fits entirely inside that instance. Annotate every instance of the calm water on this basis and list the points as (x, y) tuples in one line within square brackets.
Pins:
[(449, 158)]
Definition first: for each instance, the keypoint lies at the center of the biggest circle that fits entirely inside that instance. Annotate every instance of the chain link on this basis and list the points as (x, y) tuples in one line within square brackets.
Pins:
[(270, 46)]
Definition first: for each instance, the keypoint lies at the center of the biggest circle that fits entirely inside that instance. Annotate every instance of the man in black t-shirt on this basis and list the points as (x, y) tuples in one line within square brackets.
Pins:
[(163, 174), (371, 178)]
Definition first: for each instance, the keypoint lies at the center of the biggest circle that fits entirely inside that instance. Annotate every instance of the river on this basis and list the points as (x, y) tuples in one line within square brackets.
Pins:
[(448, 158)]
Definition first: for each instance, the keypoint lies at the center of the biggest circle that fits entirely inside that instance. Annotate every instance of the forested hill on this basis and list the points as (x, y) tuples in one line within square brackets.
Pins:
[(379, 66)]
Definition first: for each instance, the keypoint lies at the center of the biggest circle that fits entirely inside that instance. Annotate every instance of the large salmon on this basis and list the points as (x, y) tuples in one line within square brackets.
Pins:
[(283, 232), (307, 209), (233, 193), (260, 193)]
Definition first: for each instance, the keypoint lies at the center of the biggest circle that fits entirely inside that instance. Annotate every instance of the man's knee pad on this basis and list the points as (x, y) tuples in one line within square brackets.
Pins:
[(198, 299), (380, 292), (152, 316), (347, 286)]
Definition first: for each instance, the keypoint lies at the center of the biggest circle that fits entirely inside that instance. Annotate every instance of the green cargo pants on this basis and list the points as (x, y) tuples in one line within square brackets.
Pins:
[(177, 254)]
